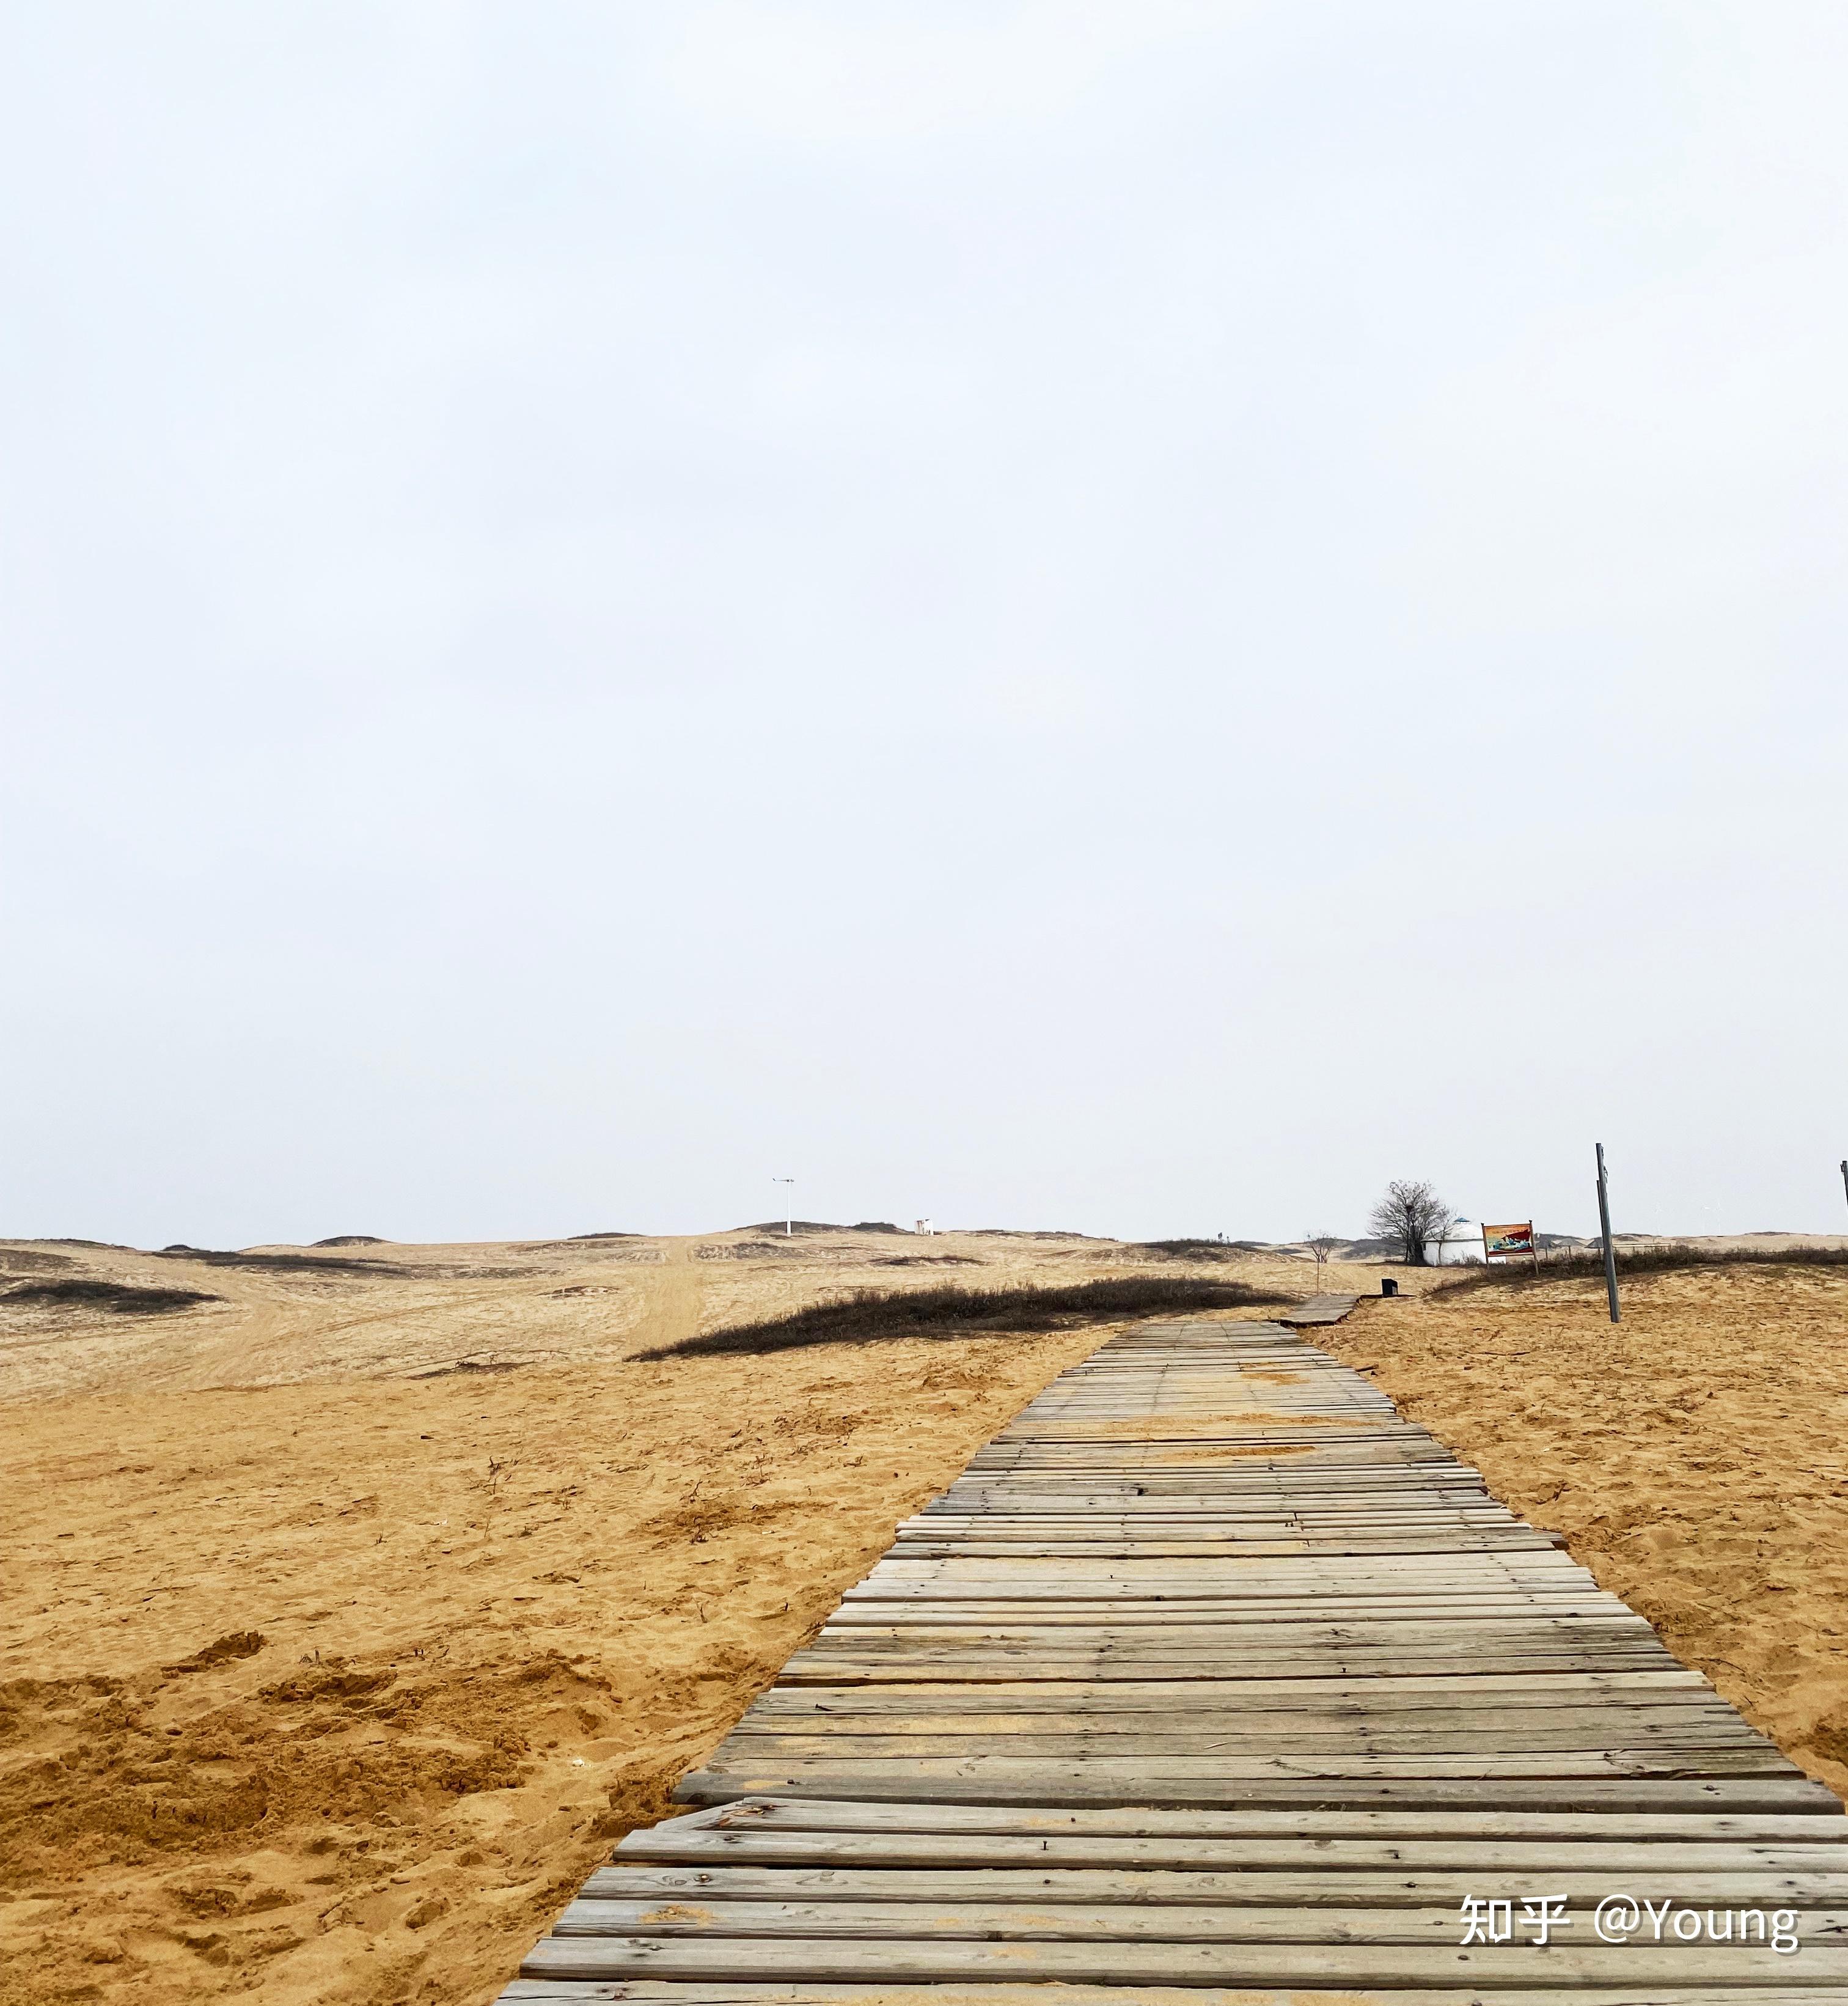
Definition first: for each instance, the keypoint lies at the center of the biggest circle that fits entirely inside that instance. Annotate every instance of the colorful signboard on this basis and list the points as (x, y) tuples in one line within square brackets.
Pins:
[(1498, 1240)]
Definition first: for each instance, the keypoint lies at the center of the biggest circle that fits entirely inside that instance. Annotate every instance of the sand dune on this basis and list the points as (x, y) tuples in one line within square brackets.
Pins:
[(348, 1617)]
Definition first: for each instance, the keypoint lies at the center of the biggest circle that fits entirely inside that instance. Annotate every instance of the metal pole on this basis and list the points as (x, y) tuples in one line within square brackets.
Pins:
[(1845, 1176), (1604, 1227), (789, 1205)]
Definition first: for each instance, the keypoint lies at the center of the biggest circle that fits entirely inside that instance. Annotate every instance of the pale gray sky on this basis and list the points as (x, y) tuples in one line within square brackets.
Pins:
[(1131, 616)]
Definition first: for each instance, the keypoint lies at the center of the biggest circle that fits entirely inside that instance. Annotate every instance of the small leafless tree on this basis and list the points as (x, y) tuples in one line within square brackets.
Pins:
[(1410, 1214), (1321, 1245)]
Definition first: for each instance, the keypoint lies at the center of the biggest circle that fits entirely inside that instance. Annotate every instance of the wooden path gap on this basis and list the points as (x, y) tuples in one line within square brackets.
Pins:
[(1212, 1680)]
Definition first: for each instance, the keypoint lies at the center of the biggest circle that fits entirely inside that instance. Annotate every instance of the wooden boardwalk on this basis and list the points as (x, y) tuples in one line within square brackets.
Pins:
[(1212, 1680), (1318, 1310)]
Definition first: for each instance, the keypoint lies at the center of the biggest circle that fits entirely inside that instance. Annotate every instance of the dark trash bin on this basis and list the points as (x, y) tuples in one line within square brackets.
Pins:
[(1388, 1285)]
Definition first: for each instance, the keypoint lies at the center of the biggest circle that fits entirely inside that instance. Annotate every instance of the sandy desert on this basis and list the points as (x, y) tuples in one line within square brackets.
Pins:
[(352, 1611)]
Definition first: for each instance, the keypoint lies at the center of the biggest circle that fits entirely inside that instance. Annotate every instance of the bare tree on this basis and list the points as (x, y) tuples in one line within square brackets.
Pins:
[(1321, 1245), (1411, 1214)]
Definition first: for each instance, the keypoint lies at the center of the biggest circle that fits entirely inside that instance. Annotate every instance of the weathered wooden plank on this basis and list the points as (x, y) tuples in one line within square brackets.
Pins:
[(914, 1961), (1057, 1784), (1649, 1695), (655, 1992), (837, 1664), (1022, 1538), (1039, 1581), (716, 1914), (1044, 1706), (974, 1581), (1069, 1758), (1395, 1886), (1079, 1740), (1544, 1570), (846, 1657), (1543, 1567), (1468, 1648), (1263, 1858), (1318, 1310), (1569, 1728), (1355, 1545), (1241, 1624), (744, 1819), (712, 1915), (1124, 1611), (1526, 1540)]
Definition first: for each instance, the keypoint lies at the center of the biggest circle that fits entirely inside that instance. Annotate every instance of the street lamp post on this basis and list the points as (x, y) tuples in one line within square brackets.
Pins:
[(789, 1205)]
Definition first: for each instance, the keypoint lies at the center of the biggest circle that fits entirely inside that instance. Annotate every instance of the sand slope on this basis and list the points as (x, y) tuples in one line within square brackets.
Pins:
[(330, 1682)]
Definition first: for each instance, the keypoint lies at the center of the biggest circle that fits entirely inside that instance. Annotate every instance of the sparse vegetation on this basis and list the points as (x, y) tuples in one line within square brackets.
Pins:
[(1321, 1245), (871, 1314), (276, 1264), (1409, 1217), (1022, 1232), (119, 1298), (1589, 1265)]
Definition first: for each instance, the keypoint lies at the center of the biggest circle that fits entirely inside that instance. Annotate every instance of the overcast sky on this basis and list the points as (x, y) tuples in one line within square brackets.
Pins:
[(1135, 617)]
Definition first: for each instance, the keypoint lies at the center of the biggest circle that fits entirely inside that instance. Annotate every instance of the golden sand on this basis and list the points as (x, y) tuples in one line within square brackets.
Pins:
[(1694, 1456), (330, 1682)]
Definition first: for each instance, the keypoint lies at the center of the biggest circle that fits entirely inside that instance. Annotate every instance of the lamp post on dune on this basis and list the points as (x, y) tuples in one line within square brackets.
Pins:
[(789, 1204)]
